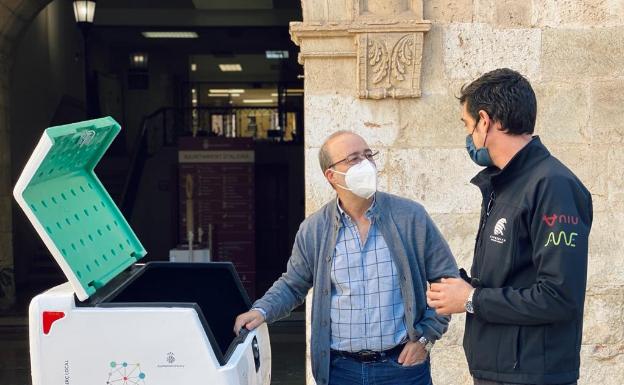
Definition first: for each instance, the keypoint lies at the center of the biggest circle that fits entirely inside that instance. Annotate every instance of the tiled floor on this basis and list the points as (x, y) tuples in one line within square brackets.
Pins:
[(287, 348)]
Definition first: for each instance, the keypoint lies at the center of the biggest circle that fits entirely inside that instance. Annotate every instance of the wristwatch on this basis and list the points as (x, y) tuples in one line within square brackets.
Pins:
[(428, 345), (468, 305)]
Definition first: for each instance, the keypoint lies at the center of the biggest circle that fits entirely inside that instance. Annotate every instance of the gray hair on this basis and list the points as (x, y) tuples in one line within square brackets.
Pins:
[(325, 159)]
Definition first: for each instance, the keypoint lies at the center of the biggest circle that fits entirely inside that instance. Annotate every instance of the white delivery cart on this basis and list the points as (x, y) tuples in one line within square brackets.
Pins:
[(116, 321)]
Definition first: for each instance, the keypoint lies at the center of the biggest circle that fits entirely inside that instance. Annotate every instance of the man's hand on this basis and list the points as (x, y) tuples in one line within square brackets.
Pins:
[(413, 353), (251, 320), (449, 296)]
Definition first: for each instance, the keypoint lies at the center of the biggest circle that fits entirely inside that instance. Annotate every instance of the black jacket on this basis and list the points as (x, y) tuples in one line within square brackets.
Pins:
[(530, 270)]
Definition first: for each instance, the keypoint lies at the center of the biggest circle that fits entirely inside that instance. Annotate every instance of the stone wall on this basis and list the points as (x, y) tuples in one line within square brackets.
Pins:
[(571, 51)]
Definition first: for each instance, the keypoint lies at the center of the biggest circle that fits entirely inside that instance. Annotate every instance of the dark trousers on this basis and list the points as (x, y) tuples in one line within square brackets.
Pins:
[(347, 371)]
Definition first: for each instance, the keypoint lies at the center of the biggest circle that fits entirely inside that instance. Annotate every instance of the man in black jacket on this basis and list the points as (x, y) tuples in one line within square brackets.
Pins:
[(524, 302)]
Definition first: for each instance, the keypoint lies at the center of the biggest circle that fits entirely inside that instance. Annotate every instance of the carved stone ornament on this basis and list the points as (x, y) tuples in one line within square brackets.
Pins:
[(385, 37), (389, 65)]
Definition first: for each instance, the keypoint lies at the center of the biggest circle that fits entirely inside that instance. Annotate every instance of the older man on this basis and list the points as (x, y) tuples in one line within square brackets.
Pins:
[(369, 256)]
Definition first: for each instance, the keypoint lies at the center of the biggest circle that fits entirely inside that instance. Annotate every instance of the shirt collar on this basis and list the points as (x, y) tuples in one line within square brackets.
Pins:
[(369, 212)]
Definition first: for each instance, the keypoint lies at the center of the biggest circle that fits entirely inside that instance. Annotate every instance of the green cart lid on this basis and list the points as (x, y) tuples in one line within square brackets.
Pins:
[(70, 208)]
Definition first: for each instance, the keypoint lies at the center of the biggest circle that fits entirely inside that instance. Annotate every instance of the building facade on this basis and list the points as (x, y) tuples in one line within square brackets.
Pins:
[(391, 70)]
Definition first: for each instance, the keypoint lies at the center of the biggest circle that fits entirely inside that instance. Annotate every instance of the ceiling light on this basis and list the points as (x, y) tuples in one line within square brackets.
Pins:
[(226, 91), (289, 94), (230, 67), (170, 35), (251, 101), (138, 60), (277, 54)]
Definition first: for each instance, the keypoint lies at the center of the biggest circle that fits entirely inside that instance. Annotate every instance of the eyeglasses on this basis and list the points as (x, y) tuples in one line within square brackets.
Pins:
[(356, 157)]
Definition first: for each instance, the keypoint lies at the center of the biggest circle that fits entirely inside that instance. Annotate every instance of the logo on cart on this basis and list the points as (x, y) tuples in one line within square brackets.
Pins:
[(124, 373), (67, 376), (170, 362), (499, 231)]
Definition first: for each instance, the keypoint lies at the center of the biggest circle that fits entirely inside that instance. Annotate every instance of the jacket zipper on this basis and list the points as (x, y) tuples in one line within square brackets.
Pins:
[(516, 354), (478, 255)]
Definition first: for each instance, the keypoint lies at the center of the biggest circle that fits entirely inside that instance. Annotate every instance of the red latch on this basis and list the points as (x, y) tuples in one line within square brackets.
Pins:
[(50, 317)]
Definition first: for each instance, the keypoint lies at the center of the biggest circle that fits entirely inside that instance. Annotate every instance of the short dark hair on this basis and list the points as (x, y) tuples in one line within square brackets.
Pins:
[(506, 96)]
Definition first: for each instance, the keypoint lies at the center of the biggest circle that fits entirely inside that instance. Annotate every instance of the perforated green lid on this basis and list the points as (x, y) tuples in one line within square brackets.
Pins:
[(70, 208)]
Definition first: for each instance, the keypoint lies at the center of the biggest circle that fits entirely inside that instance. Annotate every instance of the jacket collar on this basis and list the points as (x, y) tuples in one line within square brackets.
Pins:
[(525, 160)]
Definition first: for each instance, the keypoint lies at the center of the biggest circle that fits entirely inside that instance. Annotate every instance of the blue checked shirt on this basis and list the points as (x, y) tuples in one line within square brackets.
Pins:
[(367, 311)]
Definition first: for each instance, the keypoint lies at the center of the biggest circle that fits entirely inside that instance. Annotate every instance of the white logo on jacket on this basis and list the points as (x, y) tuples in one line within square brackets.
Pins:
[(499, 231)]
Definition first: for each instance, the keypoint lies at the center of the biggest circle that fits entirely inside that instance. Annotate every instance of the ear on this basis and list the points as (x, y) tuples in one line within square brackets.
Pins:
[(484, 119), (329, 175)]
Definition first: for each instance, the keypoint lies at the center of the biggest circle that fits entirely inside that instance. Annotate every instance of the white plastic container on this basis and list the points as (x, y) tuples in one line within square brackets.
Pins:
[(116, 321)]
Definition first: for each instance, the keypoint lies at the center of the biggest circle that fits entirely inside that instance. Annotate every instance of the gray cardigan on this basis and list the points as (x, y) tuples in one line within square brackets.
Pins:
[(420, 253)]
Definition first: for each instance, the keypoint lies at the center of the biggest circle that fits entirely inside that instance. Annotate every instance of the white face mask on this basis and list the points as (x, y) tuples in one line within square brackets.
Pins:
[(361, 179)]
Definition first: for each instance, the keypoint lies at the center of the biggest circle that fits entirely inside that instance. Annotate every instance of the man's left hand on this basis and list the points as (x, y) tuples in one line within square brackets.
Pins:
[(413, 353), (449, 296)]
